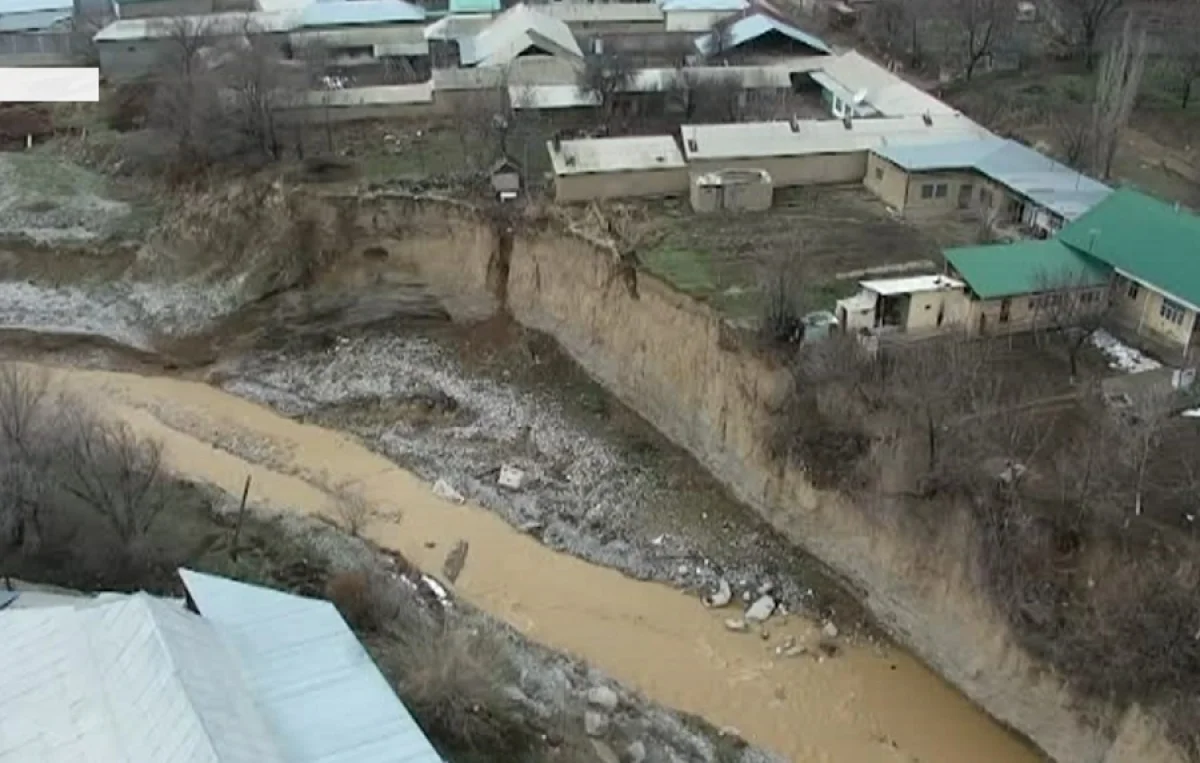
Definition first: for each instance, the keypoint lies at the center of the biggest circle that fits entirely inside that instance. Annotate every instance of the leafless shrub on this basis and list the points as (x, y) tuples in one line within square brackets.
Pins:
[(1069, 309), (1117, 88), (605, 76), (353, 510), (453, 679), (1086, 19), (373, 602)]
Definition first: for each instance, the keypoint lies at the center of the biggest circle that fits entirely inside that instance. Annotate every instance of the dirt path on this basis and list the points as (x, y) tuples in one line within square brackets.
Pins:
[(863, 705)]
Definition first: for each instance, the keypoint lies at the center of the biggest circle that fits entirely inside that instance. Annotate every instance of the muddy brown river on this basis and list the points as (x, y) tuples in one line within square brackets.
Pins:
[(867, 704)]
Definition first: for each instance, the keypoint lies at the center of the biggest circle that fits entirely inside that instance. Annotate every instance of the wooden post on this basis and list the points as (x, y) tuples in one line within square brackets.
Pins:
[(237, 528)]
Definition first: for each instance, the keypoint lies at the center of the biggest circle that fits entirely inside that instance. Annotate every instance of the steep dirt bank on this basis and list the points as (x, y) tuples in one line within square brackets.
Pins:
[(665, 357)]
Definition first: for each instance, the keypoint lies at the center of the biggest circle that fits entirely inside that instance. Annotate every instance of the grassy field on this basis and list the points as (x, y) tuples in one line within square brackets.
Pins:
[(818, 237)]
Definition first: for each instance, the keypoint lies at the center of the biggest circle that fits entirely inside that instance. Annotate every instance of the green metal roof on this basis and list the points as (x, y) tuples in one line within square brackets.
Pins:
[(1024, 267), (474, 6), (1148, 239)]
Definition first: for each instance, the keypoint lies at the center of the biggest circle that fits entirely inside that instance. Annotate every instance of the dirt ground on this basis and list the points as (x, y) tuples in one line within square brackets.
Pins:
[(821, 236)]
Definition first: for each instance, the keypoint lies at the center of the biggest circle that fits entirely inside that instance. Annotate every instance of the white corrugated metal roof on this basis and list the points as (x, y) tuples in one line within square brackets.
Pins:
[(316, 686), (748, 77), (216, 23), (703, 6), (580, 157), (512, 33), (911, 284), (124, 680), (451, 27), (852, 73), (755, 140), (755, 25), (574, 12)]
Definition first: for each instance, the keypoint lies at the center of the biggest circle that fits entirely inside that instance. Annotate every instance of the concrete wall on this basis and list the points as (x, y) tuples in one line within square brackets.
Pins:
[(360, 36), (989, 316), (816, 169), (916, 205), (902, 190), (128, 60), (886, 180), (931, 310), (694, 22), (45, 49), (617, 185), (1143, 313)]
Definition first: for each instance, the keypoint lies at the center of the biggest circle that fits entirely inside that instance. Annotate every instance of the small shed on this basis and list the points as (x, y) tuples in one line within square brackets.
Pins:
[(732, 190), (506, 179), (916, 303)]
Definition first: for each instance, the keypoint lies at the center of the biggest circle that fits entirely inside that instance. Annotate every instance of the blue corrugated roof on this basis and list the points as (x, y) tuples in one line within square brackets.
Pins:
[(1030, 173), (315, 684), (474, 6), (756, 25), (354, 12), (34, 21)]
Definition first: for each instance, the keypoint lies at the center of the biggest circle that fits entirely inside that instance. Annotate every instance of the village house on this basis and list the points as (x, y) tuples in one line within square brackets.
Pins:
[(1131, 256), (35, 16), (366, 33), (854, 86), (699, 15), (1005, 181), (589, 20), (912, 304), (235, 672), (811, 152), (520, 33), (1019, 286), (757, 35), (607, 168)]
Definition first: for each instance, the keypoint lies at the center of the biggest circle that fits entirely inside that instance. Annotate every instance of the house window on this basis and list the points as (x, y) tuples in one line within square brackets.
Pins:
[(985, 197), (879, 173), (1132, 291), (927, 191), (940, 190), (1172, 311), (966, 190)]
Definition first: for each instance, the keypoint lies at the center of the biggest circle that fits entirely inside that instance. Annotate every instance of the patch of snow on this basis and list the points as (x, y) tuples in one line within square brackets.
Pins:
[(1122, 357), (70, 311)]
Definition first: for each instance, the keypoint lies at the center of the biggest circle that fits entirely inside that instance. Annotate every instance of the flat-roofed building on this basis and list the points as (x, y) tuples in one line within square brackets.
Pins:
[(613, 168)]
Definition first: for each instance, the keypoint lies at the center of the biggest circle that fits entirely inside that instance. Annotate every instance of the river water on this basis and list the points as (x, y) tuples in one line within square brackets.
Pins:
[(869, 703)]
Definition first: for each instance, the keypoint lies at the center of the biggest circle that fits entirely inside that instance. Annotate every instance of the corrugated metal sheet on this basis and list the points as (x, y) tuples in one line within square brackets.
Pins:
[(579, 157), (355, 12), (516, 30), (128, 680), (852, 73), (1037, 177), (32, 6), (754, 140), (756, 25), (683, 6), (35, 21), (317, 687)]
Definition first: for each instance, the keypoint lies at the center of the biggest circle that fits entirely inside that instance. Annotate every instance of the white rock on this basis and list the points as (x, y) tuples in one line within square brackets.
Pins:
[(603, 698), (830, 630), (595, 724), (636, 751), (511, 477), (604, 753), (737, 625), (721, 597), (761, 609), (766, 588), (443, 489), (747, 596)]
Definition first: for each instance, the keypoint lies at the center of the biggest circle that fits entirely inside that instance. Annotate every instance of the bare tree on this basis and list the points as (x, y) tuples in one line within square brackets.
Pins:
[(352, 508), (318, 79), (1069, 307), (1140, 428), (720, 42), (186, 97), (713, 97), (261, 83), (1183, 46), (1086, 19), (1116, 92), (1073, 131), (977, 28), (603, 77)]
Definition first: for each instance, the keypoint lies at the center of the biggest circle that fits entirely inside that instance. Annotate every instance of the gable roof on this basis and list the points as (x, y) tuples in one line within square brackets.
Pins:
[(1024, 267), (515, 31), (124, 680), (1039, 178), (1144, 238), (314, 683), (852, 73), (358, 12), (756, 24)]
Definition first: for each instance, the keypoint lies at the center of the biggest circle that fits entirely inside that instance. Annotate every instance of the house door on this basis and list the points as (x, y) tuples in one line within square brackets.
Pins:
[(1005, 307), (964, 195)]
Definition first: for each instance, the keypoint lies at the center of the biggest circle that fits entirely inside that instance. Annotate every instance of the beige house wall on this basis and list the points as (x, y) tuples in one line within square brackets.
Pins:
[(983, 316), (886, 180), (816, 169), (1143, 312), (917, 206), (924, 307), (617, 185)]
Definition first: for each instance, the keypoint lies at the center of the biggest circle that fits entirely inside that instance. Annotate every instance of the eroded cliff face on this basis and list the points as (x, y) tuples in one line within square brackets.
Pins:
[(665, 356)]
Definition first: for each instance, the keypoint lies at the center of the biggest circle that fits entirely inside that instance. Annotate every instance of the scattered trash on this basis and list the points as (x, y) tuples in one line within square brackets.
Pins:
[(511, 477), (721, 597), (761, 609), (438, 589), (443, 489)]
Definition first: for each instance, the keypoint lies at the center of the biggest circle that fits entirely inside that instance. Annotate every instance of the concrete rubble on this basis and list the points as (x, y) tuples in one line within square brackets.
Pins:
[(595, 724), (761, 609), (603, 698)]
